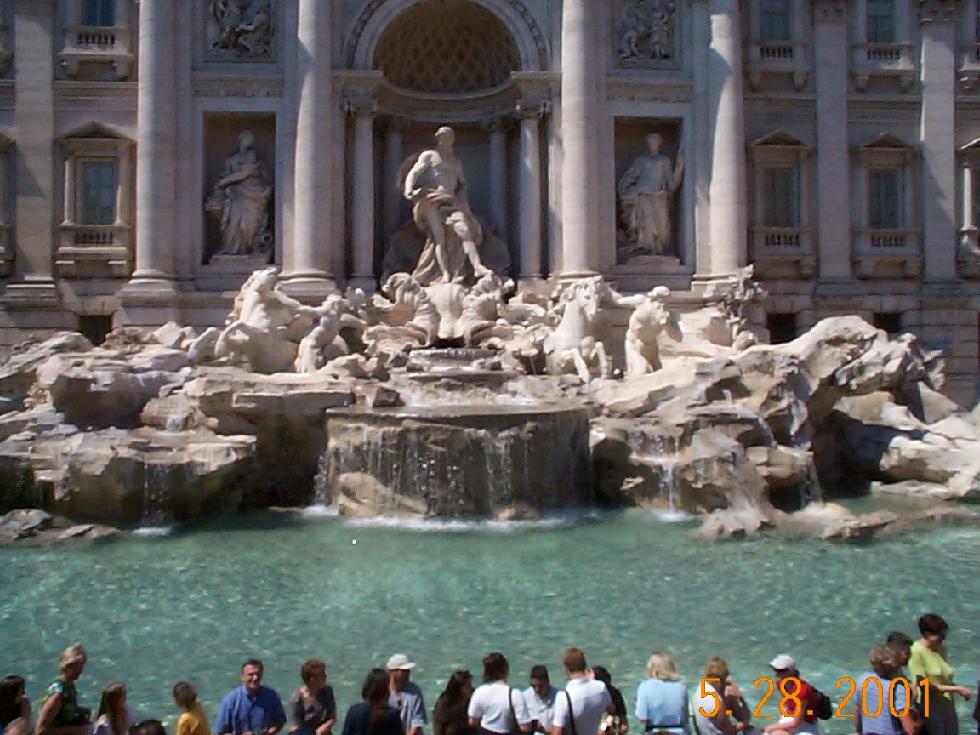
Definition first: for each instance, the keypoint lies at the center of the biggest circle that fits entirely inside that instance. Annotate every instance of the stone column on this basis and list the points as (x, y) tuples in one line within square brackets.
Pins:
[(392, 192), (937, 137), (498, 174), (150, 296), (363, 109), (530, 190), (307, 263), (701, 32), (831, 57), (580, 248), (727, 189), (33, 117)]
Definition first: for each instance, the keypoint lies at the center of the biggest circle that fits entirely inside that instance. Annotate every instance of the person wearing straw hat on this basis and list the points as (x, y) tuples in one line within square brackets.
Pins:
[(405, 696)]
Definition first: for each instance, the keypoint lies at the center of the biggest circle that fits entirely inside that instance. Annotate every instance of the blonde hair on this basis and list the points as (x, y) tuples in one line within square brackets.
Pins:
[(71, 656), (885, 661), (716, 668), (661, 666)]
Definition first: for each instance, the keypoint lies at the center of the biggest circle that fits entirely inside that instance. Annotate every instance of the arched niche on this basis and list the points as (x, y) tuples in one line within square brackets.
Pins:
[(370, 26)]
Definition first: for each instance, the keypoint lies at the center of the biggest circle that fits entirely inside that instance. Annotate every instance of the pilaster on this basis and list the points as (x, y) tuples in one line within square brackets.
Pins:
[(833, 159), (937, 133), (34, 286)]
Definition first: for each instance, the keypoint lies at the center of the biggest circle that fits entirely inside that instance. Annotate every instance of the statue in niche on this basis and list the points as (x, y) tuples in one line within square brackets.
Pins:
[(437, 189), (240, 201), (242, 27), (646, 31), (645, 192)]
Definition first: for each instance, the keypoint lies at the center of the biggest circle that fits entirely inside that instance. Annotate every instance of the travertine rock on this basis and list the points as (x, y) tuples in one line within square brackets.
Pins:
[(102, 388), (19, 371), (123, 478)]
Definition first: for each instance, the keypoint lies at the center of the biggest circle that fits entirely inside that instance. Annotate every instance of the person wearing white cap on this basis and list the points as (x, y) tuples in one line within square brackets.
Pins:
[(800, 718), (405, 696)]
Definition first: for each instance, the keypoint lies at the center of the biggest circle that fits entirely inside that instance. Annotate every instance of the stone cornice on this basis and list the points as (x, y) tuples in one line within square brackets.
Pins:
[(939, 11)]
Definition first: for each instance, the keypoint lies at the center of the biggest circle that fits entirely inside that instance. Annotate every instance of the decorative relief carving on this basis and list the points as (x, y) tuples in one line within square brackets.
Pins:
[(240, 29), (646, 32)]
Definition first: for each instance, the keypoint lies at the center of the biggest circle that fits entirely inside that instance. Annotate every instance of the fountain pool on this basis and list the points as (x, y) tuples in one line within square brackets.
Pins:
[(192, 605)]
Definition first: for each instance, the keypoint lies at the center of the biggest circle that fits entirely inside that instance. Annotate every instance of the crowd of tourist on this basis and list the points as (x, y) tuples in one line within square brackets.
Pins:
[(888, 700)]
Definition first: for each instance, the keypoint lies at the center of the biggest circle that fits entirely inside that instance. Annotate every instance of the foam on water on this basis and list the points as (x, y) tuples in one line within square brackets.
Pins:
[(152, 531), (319, 510), (564, 519)]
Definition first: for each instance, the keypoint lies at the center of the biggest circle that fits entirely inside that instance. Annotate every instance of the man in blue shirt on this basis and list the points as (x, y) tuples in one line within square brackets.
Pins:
[(251, 709)]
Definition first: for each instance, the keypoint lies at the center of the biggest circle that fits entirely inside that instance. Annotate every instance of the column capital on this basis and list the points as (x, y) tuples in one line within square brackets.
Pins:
[(526, 109), (496, 124), (829, 11), (939, 11), (360, 106)]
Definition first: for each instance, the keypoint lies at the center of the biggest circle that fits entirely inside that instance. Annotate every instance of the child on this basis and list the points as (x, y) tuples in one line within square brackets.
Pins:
[(193, 721), (15, 708), (114, 716)]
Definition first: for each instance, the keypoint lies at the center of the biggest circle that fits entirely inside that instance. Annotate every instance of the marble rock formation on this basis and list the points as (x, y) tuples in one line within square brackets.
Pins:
[(165, 424)]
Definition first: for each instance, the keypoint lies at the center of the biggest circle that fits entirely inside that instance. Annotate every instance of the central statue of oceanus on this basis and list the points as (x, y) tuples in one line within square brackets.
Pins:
[(437, 189)]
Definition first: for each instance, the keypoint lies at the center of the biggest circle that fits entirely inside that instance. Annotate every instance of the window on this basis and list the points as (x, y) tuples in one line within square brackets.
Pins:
[(97, 192), (95, 234), (98, 13), (884, 199), (881, 21), (781, 197), (782, 328), (889, 321), (774, 20)]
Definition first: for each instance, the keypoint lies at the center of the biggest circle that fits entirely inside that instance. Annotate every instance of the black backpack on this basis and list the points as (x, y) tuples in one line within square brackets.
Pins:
[(825, 708)]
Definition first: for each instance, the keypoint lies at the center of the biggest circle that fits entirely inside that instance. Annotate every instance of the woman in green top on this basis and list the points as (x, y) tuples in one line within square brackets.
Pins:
[(60, 713), (928, 661)]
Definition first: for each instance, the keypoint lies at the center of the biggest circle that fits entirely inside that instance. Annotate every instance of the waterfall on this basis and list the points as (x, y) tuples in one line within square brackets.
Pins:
[(158, 479), (321, 482), (810, 489)]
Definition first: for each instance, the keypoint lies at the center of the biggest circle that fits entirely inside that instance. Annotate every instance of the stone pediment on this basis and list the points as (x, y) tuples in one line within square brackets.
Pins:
[(886, 141), (972, 147), (777, 137), (93, 131)]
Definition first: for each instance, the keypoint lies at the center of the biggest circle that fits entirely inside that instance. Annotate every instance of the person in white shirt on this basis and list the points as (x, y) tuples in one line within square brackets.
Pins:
[(495, 707), (585, 701), (540, 698)]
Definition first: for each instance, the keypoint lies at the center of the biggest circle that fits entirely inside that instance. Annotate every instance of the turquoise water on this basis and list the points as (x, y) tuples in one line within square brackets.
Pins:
[(192, 605)]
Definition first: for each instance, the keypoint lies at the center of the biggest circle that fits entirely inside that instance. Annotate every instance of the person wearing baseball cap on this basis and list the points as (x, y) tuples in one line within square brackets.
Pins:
[(405, 696), (800, 718)]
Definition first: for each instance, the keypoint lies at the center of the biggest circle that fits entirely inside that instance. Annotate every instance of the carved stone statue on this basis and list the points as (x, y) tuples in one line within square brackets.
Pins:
[(648, 320), (242, 27), (240, 199), (437, 189), (575, 344), (646, 31), (265, 326), (645, 192)]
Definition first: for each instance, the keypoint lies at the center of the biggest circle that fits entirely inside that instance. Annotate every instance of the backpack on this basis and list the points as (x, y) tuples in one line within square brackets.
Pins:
[(825, 708)]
